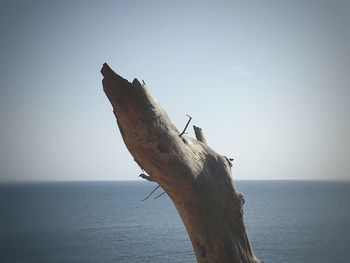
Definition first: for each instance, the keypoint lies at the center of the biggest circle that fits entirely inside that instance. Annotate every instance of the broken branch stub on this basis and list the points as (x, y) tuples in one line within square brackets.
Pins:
[(146, 177), (197, 179), (199, 134)]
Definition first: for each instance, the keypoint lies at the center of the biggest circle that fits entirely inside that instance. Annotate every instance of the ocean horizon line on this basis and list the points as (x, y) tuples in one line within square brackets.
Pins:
[(11, 182)]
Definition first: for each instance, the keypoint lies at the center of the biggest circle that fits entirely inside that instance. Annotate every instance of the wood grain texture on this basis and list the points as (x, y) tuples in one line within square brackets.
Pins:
[(197, 179)]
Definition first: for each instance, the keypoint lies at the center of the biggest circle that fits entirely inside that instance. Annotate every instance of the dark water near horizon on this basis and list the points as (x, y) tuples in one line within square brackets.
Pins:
[(287, 221)]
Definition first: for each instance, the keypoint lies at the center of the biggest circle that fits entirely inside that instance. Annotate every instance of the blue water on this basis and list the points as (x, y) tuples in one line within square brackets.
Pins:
[(287, 221)]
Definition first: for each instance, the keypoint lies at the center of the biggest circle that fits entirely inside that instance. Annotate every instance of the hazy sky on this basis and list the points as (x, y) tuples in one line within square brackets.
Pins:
[(268, 81)]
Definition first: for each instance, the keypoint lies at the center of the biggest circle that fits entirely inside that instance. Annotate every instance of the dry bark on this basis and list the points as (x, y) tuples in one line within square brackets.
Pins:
[(197, 179)]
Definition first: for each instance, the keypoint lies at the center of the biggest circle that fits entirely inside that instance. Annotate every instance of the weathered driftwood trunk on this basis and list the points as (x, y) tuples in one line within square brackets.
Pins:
[(197, 179)]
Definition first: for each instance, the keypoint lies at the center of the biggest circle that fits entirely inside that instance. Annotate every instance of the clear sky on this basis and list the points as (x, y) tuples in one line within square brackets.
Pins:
[(268, 81)]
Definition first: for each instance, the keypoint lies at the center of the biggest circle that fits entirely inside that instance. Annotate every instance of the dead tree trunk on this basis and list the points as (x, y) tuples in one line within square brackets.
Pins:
[(197, 179)]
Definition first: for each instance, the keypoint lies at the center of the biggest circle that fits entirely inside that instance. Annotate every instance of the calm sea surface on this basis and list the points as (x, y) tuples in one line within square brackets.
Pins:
[(287, 221)]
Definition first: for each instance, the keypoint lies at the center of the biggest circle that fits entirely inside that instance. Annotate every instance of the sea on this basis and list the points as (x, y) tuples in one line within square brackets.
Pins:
[(287, 221)]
